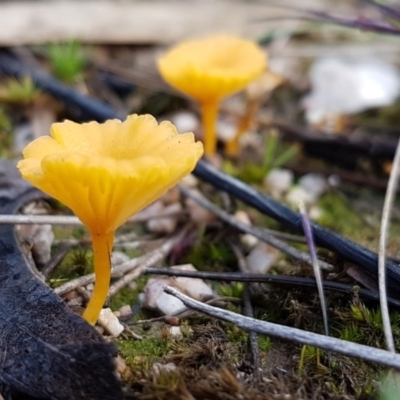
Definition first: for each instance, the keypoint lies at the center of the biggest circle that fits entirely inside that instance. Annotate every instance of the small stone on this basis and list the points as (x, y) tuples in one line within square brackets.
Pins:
[(165, 224), (185, 121), (298, 194), (154, 289), (314, 183), (125, 311), (278, 182), (189, 181), (172, 196), (90, 287), (169, 305), (315, 213), (117, 314), (118, 258), (175, 331), (262, 258), (226, 129), (193, 287), (110, 322), (40, 238), (170, 320), (249, 241), (197, 213)]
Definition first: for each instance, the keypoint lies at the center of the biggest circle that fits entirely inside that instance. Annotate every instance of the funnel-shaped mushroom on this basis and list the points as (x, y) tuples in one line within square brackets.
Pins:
[(257, 91), (209, 70), (106, 173)]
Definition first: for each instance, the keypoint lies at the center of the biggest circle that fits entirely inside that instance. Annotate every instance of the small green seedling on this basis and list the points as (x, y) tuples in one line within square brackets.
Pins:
[(68, 61), (21, 90)]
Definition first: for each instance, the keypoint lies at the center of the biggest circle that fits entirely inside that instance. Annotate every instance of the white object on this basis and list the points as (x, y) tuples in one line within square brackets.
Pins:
[(118, 258), (195, 288), (165, 224), (175, 331), (249, 241), (298, 194), (189, 181), (345, 85), (226, 129), (314, 183), (278, 181), (261, 258), (185, 121), (110, 322)]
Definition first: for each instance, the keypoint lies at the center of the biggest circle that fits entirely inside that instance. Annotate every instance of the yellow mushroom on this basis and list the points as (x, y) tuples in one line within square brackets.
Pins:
[(107, 172), (256, 92), (209, 70)]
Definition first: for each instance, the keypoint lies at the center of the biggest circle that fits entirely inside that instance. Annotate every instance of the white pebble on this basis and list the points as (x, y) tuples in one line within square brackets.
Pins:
[(118, 258), (185, 121), (249, 241), (262, 258), (175, 331), (165, 224), (226, 129), (197, 213), (195, 288), (314, 183), (169, 305), (298, 194), (110, 322), (189, 181), (124, 311), (278, 182)]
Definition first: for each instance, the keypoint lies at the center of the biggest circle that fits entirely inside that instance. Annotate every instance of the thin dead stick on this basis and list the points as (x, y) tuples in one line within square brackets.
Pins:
[(286, 280), (248, 309), (70, 220), (257, 232), (317, 272), (154, 256), (157, 255), (387, 209), (328, 343)]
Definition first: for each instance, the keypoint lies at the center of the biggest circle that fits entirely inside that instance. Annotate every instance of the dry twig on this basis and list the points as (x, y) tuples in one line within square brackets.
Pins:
[(257, 232), (328, 343)]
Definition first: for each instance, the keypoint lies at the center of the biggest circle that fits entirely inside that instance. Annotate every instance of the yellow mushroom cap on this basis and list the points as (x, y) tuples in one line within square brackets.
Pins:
[(212, 68), (107, 172)]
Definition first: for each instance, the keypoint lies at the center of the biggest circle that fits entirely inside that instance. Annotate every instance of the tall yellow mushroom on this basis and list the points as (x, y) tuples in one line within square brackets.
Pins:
[(209, 70), (106, 173)]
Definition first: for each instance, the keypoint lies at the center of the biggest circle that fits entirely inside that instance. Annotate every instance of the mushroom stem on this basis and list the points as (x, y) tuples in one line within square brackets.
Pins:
[(209, 113), (102, 246), (232, 147)]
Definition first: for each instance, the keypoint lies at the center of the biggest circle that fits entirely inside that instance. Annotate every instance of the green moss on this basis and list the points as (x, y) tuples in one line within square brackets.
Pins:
[(235, 334), (68, 60), (264, 343), (234, 289), (78, 262), (21, 90), (135, 352), (209, 254), (339, 217)]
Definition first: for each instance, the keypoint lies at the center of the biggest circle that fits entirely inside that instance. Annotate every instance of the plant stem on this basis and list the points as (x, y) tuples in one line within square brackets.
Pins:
[(232, 147), (102, 246), (209, 113)]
